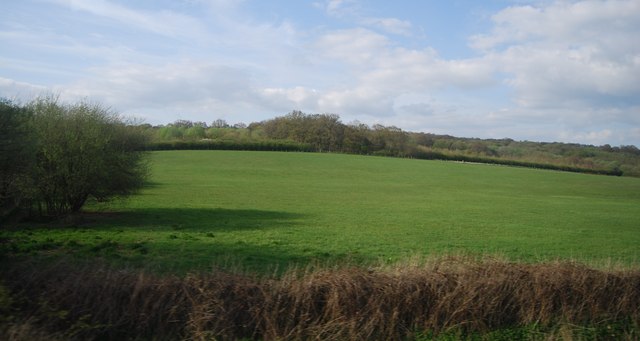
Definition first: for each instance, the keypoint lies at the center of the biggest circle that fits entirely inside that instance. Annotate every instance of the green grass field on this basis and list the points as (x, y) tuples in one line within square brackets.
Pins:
[(259, 210)]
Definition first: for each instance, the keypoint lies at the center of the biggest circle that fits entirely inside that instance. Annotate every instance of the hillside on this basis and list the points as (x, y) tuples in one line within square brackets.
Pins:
[(272, 209), (277, 244), (326, 133)]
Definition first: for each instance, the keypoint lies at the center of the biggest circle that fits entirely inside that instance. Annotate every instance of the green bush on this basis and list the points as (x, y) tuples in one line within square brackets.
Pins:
[(68, 154), (16, 156)]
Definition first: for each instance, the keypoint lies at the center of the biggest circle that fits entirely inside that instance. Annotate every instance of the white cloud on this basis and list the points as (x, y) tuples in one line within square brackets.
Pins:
[(297, 98), (592, 137), (337, 8), (375, 59), (549, 70), (358, 101), (578, 54), (380, 72), (391, 25), (166, 23), (335, 5), (350, 10), (20, 91), (562, 22), (58, 45), (355, 46), (633, 135), (546, 78), (181, 83), (413, 70)]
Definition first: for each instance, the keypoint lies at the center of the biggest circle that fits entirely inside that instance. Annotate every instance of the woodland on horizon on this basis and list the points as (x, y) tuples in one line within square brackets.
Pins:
[(134, 269), (298, 131)]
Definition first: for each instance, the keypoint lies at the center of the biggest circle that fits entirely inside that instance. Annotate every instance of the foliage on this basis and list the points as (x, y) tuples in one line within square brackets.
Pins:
[(16, 156), (76, 152), (262, 145), (326, 133)]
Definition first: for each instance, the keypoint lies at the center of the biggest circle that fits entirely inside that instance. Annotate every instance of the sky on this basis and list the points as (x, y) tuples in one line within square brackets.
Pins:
[(539, 70)]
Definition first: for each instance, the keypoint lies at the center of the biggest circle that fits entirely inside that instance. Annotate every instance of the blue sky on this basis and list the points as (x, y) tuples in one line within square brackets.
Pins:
[(530, 70)]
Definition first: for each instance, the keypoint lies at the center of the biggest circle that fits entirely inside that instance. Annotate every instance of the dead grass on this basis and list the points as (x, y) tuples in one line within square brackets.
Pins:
[(341, 303)]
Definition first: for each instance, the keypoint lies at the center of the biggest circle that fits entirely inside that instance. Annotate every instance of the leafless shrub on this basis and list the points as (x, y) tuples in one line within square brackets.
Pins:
[(342, 303)]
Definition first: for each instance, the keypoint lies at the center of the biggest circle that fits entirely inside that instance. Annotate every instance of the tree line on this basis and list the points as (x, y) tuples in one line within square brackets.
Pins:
[(54, 157), (327, 133)]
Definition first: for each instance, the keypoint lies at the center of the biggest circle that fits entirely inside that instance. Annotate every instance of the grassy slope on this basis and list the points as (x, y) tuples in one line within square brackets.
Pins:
[(261, 208)]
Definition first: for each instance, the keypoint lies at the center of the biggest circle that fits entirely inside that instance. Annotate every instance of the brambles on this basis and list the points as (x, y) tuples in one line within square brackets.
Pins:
[(447, 295)]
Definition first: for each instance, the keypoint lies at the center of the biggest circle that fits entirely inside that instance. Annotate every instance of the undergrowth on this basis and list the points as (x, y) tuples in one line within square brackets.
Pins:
[(442, 299)]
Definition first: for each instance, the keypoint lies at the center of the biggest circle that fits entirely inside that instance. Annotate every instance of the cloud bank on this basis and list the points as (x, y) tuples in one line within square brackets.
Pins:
[(545, 71)]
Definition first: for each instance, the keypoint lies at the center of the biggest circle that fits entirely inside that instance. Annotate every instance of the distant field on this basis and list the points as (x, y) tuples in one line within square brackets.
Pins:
[(265, 209)]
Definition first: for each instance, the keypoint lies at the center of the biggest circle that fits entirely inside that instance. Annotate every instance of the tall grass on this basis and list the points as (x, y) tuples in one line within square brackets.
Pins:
[(344, 303)]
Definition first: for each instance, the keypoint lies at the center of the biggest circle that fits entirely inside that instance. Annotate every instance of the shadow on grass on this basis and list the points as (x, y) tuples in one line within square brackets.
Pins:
[(190, 219), (176, 240)]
